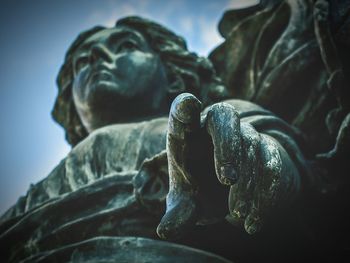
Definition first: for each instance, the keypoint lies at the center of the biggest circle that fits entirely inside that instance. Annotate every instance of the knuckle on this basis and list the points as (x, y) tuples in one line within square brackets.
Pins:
[(251, 138), (273, 162)]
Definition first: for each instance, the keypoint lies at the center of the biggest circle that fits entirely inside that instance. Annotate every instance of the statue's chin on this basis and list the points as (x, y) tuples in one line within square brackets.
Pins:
[(108, 104), (104, 92)]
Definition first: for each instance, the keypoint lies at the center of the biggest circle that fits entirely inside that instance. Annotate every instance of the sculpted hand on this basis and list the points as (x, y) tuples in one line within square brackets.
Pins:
[(253, 167)]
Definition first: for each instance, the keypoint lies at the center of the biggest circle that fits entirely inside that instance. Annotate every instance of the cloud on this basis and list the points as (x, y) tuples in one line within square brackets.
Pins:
[(116, 10), (152, 9), (186, 24), (240, 3), (199, 27), (209, 36), (208, 33)]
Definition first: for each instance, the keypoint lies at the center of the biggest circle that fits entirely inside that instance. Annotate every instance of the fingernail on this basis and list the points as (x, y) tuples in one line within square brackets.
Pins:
[(252, 229), (251, 225), (228, 174), (186, 108)]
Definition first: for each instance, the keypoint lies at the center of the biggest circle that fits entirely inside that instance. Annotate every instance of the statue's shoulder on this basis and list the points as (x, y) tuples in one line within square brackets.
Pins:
[(117, 148)]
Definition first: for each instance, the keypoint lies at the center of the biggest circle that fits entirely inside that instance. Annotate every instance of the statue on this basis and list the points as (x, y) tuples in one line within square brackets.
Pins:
[(213, 168), (292, 57)]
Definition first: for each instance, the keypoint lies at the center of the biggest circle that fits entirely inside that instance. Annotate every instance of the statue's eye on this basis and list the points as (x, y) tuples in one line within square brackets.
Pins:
[(80, 63), (127, 46)]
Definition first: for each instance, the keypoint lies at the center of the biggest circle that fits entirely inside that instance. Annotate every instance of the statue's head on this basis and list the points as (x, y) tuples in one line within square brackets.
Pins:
[(128, 73)]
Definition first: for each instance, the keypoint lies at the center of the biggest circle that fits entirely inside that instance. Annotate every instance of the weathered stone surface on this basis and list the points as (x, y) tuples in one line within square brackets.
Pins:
[(203, 174), (292, 57), (271, 57)]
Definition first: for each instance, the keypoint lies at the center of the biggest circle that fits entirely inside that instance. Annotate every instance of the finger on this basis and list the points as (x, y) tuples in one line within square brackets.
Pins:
[(223, 125), (253, 222), (241, 194), (236, 215), (269, 185), (184, 121)]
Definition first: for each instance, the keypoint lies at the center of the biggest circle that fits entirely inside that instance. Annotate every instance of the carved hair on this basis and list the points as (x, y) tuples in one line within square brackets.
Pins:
[(186, 72)]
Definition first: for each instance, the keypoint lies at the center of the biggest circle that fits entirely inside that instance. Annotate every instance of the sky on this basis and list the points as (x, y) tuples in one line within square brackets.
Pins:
[(34, 38)]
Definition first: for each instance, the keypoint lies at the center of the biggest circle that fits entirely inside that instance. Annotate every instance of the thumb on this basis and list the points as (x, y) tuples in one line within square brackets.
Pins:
[(184, 122)]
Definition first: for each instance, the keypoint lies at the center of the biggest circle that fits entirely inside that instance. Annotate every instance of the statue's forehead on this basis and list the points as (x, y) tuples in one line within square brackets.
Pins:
[(111, 35)]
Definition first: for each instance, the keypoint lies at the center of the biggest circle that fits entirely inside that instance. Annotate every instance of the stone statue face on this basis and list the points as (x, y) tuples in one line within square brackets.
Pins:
[(117, 78)]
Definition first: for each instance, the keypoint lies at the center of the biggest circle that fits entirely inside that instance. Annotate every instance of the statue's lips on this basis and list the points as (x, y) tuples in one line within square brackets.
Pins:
[(102, 75)]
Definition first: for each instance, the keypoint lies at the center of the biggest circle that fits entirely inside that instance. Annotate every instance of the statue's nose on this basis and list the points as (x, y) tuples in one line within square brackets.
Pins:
[(100, 52)]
